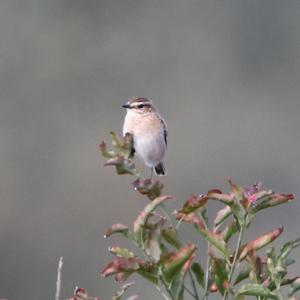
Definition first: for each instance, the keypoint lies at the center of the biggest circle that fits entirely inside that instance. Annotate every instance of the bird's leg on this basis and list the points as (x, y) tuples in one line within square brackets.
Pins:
[(151, 173)]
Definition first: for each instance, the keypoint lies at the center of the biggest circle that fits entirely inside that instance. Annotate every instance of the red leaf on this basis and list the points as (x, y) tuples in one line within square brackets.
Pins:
[(121, 268), (193, 203), (149, 187), (191, 218), (213, 195), (260, 242)]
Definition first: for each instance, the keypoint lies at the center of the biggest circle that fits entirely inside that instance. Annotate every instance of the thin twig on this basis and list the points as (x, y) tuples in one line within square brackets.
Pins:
[(233, 265), (205, 296), (190, 292), (196, 296), (280, 297), (162, 292), (179, 223), (206, 290), (167, 289), (58, 280)]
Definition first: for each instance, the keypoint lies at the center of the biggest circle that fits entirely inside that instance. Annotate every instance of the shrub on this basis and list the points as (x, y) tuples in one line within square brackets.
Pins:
[(169, 265)]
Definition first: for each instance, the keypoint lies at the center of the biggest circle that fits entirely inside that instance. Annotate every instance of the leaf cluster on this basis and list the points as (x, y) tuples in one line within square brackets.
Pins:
[(173, 267)]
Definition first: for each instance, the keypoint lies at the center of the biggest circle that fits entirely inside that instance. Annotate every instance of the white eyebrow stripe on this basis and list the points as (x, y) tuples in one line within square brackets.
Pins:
[(139, 100)]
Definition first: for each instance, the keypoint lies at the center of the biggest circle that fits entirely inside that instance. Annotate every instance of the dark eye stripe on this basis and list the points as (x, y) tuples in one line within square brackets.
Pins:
[(141, 106)]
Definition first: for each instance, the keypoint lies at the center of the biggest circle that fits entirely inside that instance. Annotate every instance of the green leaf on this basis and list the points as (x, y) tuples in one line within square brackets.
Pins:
[(254, 289), (176, 286), (295, 286), (117, 228), (175, 267), (121, 252), (230, 230), (243, 274), (163, 248), (239, 297), (123, 146), (213, 238), (139, 223), (287, 248), (127, 146), (104, 151), (149, 276), (272, 259), (202, 214), (277, 266), (170, 236), (222, 215), (217, 241), (199, 273), (174, 262), (220, 274), (116, 141), (123, 165), (289, 261), (120, 156), (150, 272)]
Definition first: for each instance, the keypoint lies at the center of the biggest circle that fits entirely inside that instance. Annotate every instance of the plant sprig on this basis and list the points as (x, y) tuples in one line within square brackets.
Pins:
[(173, 266)]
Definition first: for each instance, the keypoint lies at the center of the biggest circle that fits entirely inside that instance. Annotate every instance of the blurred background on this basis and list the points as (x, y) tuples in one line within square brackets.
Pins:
[(225, 76)]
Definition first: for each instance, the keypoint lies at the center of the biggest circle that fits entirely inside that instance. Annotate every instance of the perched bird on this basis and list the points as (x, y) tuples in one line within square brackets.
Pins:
[(149, 132)]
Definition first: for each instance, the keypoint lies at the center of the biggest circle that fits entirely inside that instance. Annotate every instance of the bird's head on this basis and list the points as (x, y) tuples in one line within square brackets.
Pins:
[(139, 105)]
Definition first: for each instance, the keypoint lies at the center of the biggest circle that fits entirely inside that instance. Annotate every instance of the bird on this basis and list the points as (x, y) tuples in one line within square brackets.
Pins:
[(149, 132)]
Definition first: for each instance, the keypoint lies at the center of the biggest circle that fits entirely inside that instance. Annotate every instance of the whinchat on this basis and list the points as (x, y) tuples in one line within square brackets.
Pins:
[(149, 132)]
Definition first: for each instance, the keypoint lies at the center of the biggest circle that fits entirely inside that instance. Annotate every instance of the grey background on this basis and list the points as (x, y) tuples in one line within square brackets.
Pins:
[(224, 74)]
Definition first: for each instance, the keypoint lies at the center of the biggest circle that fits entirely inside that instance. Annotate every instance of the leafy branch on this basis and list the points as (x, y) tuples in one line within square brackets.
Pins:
[(173, 267)]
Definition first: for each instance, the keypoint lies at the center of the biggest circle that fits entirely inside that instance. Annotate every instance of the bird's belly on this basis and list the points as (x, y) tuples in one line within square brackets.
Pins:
[(150, 149)]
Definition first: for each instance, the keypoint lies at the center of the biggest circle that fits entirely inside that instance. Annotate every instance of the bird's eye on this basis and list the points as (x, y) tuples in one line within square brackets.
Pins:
[(140, 106)]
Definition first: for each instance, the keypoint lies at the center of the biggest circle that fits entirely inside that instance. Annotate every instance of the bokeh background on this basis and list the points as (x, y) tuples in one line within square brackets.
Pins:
[(224, 74)]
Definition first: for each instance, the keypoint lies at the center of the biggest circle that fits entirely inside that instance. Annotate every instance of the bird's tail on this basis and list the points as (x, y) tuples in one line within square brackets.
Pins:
[(160, 169)]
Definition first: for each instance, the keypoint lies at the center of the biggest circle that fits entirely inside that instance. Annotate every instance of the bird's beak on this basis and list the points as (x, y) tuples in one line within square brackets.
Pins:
[(126, 106)]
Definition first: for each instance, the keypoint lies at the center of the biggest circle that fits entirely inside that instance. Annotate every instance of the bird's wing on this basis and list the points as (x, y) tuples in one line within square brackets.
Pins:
[(164, 129)]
